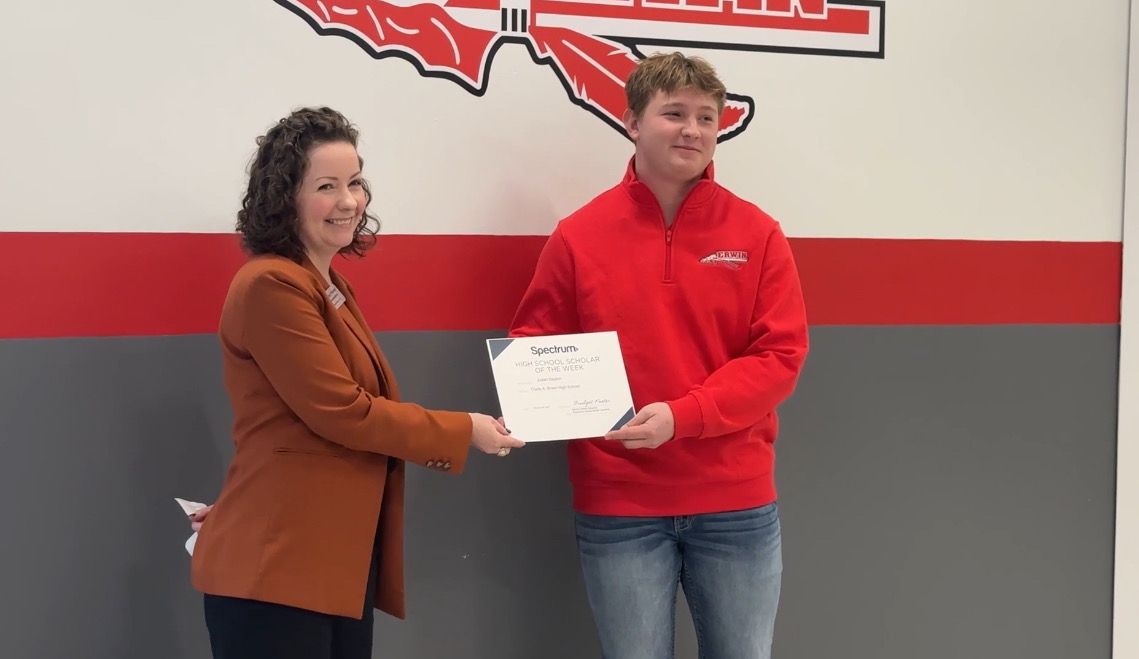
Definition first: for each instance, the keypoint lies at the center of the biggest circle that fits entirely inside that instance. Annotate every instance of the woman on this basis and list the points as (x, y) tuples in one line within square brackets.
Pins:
[(307, 534)]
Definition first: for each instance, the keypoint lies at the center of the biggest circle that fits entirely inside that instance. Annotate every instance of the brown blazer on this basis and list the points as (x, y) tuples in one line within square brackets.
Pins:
[(321, 441)]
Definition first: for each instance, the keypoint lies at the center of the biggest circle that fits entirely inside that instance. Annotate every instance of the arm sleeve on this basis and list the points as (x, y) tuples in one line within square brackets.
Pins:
[(285, 333), (749, 387), (549, 305)]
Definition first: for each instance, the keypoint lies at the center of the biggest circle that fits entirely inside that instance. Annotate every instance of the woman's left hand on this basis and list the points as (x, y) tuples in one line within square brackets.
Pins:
[(197, 518)]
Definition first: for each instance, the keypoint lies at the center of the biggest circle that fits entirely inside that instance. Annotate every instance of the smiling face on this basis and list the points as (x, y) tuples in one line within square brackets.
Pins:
[(330, 200), (675, 135)]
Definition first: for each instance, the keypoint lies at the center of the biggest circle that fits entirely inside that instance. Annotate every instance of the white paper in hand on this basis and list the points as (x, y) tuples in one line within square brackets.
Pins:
[(190, 507)]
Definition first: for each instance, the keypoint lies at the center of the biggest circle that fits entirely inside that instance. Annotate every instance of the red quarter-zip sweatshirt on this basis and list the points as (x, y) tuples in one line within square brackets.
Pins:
[(710, 318)]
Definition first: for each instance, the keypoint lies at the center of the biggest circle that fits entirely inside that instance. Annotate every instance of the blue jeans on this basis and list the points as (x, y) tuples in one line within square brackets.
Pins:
[(729, 564)]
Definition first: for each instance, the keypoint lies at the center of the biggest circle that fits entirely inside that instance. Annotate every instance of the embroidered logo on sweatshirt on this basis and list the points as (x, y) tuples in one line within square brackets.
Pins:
[(729, 258)]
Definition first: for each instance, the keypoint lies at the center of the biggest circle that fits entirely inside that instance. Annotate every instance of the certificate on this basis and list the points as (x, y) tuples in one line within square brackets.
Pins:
[(565, 386)]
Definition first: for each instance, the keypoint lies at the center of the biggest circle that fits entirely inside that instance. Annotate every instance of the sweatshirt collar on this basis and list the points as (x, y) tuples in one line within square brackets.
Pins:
[(699, 194)]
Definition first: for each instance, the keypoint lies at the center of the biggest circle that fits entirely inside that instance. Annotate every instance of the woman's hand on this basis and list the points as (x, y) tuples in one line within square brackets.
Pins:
[(197, 518), (490, 436)]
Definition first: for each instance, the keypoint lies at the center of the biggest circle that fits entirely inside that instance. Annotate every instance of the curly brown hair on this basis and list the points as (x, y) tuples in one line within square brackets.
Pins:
[(267, 220)]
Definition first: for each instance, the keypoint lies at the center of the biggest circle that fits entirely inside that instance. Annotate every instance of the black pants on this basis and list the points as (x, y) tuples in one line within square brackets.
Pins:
[(249, 629)]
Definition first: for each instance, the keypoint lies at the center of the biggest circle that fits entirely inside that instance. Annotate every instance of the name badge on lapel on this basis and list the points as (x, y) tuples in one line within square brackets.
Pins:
[(334, 296)]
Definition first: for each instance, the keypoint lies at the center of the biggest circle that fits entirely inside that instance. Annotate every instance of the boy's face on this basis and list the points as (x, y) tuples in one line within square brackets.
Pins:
[(675, 135)]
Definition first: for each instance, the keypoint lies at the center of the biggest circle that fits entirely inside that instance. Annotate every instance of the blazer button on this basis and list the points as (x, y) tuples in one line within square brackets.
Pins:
[(446, 465), (430, 464)]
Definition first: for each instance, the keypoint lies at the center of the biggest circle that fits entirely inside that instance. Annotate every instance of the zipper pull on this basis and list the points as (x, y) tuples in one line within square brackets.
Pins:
[(668, 236)]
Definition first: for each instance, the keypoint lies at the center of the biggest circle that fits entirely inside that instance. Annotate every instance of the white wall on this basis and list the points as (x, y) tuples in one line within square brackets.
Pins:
[(986, 120)]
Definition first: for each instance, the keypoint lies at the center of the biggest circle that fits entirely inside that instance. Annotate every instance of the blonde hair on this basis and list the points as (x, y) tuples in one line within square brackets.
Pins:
[(669, 73)]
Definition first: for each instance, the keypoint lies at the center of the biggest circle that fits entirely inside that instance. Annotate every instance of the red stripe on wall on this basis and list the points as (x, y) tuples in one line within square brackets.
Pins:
[(108, 284), (950, 282)]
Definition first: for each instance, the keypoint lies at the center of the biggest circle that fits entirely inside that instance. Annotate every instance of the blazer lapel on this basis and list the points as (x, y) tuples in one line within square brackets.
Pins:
[(355, 322), (359, 327)]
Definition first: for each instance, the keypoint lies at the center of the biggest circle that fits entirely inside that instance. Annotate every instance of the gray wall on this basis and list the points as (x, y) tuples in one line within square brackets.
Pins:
[(947, 492)]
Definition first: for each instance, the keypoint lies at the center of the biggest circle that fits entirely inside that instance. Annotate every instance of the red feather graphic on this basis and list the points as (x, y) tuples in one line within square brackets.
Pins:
[(423, 32), (593, 69), (596, 70), (736, 114)]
